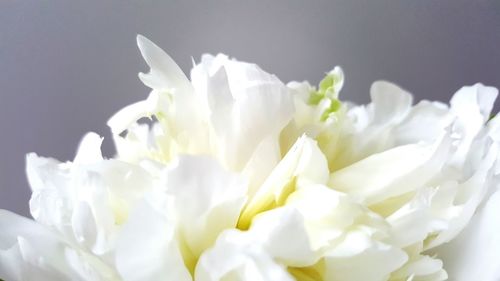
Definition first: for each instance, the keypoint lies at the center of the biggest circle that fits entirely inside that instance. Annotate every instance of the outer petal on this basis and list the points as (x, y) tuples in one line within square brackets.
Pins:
[(89, 150), (369, 128), (390, 103), (147, 248), (472, 106), (18, 259), (29, 251), (475, 253), (469, 195), (164, 73), (420, 267), (426, 122), (393, 172), (86, 200), (126, 116)]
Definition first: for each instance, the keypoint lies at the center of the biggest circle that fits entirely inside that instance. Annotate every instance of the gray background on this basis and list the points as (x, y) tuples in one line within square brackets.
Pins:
[(66, 66)]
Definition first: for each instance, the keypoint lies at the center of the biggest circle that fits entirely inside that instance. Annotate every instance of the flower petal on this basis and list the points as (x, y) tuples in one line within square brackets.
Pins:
[(22, 243), (89, 150), (164, 73), (358, 251), (390, 102), (207, 200), (303, 163), (29, 251), (284, 236), (242, 98), (147, 248), (475, 253), (236, 256), (392, 172)]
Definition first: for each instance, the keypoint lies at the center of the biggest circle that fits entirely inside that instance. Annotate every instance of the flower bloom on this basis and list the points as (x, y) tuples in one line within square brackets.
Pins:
[(241, 177)]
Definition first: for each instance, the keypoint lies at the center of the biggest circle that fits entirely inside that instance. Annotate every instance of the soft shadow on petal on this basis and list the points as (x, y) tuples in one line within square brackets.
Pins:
[(475, 253), (147, 248)]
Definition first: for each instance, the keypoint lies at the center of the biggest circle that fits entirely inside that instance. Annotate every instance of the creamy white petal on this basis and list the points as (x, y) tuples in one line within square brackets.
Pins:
[(89, 150), (147, 248), (392, 172), (369, 129), (126, 116), (265, 157), (415, 220), (121, 120), (36, 253), (469, 194), (22, 242), (238, 257), (420, 267), (472, 106), (303, 163), (207, 200), (475, 253), (390, 103), (242, 99), (164, 73), (284, 236), (359, 258), (426, 121), (85, 203), (327, 212)]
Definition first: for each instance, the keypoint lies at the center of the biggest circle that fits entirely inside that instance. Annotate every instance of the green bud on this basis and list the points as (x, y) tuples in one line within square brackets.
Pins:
[(329, 88)]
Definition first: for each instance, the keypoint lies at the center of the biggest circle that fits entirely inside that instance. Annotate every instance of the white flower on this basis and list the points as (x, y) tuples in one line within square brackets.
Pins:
[(241, 177)]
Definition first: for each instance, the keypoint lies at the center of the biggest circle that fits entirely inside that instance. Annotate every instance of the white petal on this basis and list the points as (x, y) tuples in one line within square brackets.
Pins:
[(126, 116), (265, 157), (303, 163), (327, 213), (426, 121), (207, 198), (391, 103), (85, 203), (392, 172), (237, 257), (40, 169), (89, 150), (84, 225), (472, 100), (358, 258), (147, 248), (472, 107), (242, 99), (18, 240), (475, 253), (284, 236), (369, 129), (420, 267), (40, 254), (469, 194), (164, 73), (415, 220)]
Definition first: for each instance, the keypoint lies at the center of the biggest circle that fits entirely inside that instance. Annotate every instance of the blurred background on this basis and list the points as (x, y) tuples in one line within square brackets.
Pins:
[(67, 66)]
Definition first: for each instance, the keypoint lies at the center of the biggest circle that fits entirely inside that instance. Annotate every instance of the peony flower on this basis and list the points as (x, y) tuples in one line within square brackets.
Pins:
[(241, 177)]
